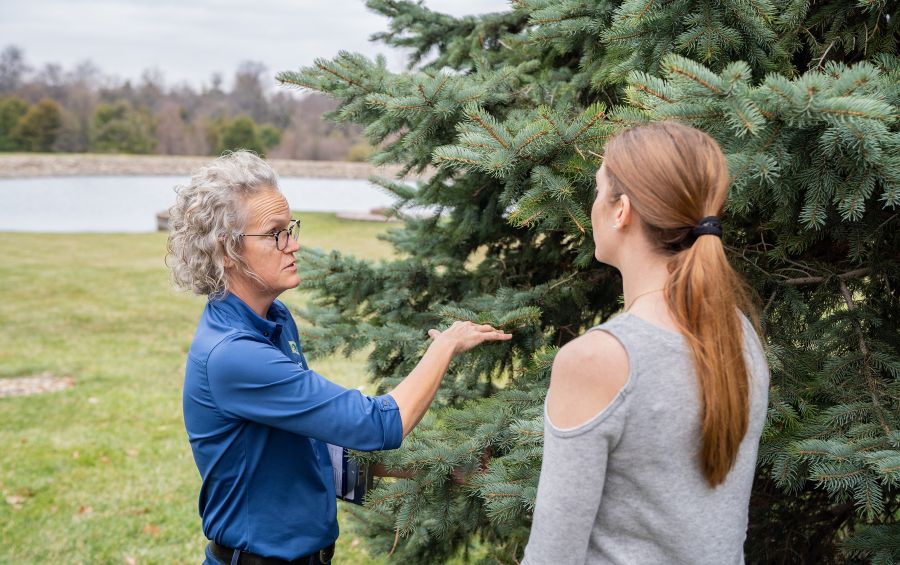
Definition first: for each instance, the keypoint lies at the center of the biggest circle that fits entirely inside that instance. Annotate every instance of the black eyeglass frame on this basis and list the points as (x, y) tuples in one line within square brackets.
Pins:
[(293, 230)]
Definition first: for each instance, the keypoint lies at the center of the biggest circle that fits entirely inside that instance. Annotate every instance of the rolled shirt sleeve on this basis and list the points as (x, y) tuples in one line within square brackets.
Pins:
[(251, 379)]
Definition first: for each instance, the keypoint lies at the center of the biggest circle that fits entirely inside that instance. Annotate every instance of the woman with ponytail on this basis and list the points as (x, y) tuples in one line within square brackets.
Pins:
[(653, 419)]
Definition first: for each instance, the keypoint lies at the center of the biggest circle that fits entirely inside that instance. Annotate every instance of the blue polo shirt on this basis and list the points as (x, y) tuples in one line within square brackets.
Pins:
[(258, 420)]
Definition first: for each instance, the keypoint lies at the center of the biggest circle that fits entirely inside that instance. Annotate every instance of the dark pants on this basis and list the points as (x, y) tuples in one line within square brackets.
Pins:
[(211, 559)]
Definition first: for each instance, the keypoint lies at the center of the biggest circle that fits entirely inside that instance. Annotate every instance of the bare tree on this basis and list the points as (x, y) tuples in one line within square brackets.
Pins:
[(12, 68), (247, 94)]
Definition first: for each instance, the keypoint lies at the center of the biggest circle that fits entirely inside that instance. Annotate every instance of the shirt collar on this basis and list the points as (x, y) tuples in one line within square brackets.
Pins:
[(268, 328)]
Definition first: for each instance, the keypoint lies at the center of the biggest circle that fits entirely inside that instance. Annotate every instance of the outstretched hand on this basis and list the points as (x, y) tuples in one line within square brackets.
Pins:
[(415, 393), (466, 335)]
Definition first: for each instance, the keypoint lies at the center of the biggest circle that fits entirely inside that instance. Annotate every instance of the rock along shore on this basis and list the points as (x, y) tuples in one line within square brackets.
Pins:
[(26, 165)]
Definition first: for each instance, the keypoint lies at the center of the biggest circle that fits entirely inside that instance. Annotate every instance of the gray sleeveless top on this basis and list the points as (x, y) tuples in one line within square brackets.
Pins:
[(626, 486)]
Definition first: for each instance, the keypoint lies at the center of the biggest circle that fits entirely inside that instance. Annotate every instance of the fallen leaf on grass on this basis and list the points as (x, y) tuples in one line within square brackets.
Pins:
[(130, 560), (85, 510), (151, 529), (16, 500), (132, 452)]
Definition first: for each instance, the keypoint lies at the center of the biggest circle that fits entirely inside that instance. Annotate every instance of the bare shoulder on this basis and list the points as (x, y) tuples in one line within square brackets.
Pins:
[(587, 374)]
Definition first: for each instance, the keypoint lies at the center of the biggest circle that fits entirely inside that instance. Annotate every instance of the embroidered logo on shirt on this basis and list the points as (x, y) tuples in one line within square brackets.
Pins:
[(294, 347)]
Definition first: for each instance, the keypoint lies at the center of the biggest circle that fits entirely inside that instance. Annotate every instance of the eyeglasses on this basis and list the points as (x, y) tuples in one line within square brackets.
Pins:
[(281, 236)]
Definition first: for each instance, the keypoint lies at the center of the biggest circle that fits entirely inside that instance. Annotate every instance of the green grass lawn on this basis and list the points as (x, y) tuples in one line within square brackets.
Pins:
[(102, 472)]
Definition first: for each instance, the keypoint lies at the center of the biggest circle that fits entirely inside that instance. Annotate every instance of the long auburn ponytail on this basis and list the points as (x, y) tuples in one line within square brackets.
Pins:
[(674, 176)]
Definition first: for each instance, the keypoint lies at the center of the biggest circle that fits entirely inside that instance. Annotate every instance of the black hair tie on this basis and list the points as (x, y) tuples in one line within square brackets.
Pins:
[(710, 225)]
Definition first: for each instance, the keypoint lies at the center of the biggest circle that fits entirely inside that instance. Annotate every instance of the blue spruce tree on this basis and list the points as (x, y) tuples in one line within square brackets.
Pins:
[(506, 115)]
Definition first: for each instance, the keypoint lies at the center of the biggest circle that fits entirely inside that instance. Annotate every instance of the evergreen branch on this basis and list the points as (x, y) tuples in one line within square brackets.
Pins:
[(704, 116), (681, 66), (745, 119), (531, 139), (476, 117), (297, 82), (520, 316), (339, 75), (421, 89), (639, 15), (562, 281), (545, 113), (770, 84), (475, 96), (579, 151), (695, 78), (770, 301), (627, 36), (889, 470), (847, 112), (545, 21), (654, 93), (396, 540), (864, 349), (820, 453), (765, 113), (457, 160), (824, 477), (815, 280), (405, 106), (525, 222), (775, 133), (594, 119), (574, 219), (440, 87), (691, 39), (764, 14), (382, 499), (818, 64), (474, 145)]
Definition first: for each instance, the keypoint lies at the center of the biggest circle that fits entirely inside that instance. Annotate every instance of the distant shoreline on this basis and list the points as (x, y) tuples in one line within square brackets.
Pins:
[(30, 165)]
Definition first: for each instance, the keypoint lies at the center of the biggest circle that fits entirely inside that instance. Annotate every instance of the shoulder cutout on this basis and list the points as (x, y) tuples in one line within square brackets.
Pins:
[(587, 374)]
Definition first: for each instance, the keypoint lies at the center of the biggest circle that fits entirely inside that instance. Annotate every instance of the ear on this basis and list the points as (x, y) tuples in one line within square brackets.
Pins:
[(227, 263), (623, 211)]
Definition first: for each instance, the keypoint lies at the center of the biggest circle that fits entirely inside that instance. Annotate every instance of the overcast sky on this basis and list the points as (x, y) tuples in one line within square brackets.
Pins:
[(189, 40)]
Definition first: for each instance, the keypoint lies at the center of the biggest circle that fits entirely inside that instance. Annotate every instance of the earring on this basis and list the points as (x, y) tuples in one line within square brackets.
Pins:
[(616, 226)]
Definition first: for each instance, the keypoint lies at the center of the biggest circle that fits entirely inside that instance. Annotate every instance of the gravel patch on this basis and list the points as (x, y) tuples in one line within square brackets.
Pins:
[(38, 384)]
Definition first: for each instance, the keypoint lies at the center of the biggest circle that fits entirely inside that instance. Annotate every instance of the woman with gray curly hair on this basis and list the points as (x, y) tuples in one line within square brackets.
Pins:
[(259, 421)]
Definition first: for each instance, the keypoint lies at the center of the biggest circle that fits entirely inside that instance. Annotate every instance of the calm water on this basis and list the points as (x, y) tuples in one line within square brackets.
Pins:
[(130, 204)]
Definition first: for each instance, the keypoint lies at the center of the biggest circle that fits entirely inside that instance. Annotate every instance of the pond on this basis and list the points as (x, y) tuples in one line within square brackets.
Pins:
[(130, 203)]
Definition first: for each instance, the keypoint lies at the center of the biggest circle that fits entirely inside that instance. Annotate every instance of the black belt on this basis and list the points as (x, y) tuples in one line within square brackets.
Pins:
[(225, 555)]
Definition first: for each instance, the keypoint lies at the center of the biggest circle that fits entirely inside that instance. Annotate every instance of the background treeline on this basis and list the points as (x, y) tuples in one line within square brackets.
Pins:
[(52, 109)]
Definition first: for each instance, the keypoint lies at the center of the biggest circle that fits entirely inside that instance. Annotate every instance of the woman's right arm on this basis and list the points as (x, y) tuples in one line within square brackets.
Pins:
[(250, 379)]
